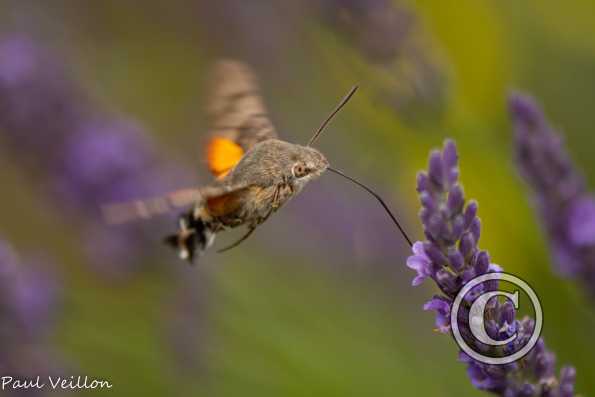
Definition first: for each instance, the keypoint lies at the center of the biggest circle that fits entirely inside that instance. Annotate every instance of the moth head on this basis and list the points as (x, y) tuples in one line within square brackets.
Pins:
[(309, 163)]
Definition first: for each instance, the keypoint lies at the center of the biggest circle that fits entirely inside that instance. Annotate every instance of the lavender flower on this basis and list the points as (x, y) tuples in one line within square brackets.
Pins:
[(84, 157), (566, 208), (27, 305), (450, 256)]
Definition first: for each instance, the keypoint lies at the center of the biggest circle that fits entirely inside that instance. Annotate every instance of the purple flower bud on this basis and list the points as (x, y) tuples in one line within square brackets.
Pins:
[(435, 254), (458, 227), (425, 214), (507, 313), (427, 201), (527, 390), (450, 158), (468, 274), (449, 154), (567, 379), (545, 365), (441, 306), (493, 329), (475, 229), (436, 170), (422, 182), (475, 293), (456, 200), (467, 245), (446, 281), (456, 259), (470, 213), (482, 262), (435, 225)]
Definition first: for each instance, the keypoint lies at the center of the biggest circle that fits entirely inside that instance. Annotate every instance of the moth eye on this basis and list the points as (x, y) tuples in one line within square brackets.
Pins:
[(299, 170)]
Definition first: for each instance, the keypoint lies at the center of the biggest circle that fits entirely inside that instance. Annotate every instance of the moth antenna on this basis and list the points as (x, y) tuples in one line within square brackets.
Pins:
[(333, 113), (377, 198)]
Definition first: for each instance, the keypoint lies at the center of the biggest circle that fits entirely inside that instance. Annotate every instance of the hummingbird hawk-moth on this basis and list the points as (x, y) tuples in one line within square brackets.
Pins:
[(255, 172)]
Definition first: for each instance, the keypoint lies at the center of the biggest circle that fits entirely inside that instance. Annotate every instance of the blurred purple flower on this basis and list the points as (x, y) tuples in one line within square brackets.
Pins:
[(28, 294), (389, 36), (566, 208), (581, 222), (108, 161), (38, 106), (186, 331), (84, 157), (27, 307), (17, 61), (378, 28), (386, 34), (258, 32), (451, 257)]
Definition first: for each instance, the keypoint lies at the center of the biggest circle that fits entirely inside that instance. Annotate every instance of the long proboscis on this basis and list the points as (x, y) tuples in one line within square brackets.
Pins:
[(333, 113), (394, 219)]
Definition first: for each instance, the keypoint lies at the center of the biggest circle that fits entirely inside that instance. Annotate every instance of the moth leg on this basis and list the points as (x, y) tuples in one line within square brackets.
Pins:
[(244, 237), (282, 192), (275, 203), (251, 230)]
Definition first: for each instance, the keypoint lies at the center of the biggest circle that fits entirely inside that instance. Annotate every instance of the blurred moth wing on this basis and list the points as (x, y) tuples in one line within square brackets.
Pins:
[(218, 199), (237, 115), (144, 209)]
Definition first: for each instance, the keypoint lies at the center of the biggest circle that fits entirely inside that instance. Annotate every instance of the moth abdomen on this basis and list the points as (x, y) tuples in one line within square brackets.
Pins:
[(193, 238)]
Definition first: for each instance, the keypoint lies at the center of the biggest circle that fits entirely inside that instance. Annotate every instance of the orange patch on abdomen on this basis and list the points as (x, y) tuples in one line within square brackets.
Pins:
[(222, 155)]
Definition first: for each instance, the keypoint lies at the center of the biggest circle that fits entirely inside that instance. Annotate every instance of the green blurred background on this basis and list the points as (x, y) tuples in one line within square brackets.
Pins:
[(289, 313)]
